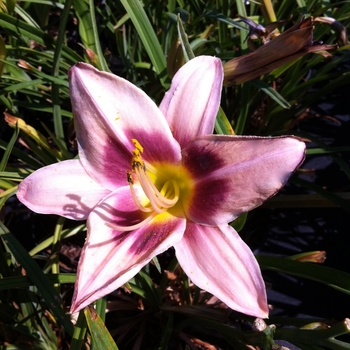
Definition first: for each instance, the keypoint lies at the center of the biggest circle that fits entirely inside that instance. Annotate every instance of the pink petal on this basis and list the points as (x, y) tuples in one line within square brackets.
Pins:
[(63, 188), (110, 258), (236, 174), (109, 112), (191, 104), (218, 261)]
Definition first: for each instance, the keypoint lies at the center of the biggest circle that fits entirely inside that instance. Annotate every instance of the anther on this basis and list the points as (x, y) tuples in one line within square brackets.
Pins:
[(137, 145), (129, 177)]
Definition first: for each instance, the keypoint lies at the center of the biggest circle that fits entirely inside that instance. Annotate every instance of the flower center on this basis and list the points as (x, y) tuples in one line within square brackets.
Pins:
[(160, 201), (161, 184)]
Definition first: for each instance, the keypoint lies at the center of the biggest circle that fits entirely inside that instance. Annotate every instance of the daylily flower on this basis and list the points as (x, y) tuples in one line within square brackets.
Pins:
[(150, 178)]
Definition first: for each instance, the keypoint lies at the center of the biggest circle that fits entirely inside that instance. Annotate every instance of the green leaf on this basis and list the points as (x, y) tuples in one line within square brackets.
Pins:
[(239, 223), (79, 332), (167, 330), (239, 127), (220, 17), (101, 307), (82, 11), (222, 124), (29, 83), (57, 116), (65, 234), (5, 195), (101, 60), (152, 294), (148, 38), (40, 280), (304, 201), (26, 17), (8, 150), (326, 150), (343, 203), (271, 92), (29, 160), (2, 55), (25, 281), (24, 30), (59, 142), (10, 4), (102, 339), (186, 47), (331, 277)]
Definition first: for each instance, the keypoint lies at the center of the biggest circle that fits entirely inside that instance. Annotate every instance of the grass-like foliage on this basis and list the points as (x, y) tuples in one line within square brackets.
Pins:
[(146, 43)]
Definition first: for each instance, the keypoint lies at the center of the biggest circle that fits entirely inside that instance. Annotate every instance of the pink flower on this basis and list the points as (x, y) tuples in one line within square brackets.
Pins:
[(150, 178)]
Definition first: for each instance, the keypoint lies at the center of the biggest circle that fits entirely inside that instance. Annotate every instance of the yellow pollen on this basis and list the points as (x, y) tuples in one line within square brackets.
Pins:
[(138, 147), (137, 155)]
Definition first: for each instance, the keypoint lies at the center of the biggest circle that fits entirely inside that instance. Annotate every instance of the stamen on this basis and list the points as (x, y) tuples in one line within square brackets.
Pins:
[(137, 202), (132, 227), (159, 200), (167, 202), (133, 194), (152, 192), (155, 203)]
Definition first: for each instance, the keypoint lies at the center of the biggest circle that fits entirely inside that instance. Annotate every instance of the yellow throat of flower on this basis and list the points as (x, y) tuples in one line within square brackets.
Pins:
[(167, 188)]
